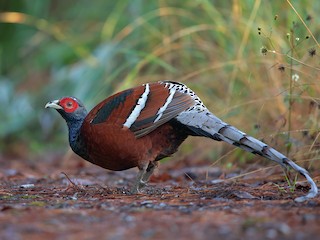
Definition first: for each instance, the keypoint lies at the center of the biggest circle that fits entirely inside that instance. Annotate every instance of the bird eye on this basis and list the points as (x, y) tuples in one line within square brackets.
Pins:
[(69, 104)]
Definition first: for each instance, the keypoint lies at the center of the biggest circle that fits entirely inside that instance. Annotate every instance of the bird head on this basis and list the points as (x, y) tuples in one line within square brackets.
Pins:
[(70, 108)]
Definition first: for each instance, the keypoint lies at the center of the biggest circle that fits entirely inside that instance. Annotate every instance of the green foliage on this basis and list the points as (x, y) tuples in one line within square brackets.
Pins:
[(52, 48)]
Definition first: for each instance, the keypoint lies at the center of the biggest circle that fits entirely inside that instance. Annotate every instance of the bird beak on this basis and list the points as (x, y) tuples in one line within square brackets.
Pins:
[(53, 104)]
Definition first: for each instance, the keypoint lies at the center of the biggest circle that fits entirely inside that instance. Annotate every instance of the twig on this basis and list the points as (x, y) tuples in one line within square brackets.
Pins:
[(72, 183)]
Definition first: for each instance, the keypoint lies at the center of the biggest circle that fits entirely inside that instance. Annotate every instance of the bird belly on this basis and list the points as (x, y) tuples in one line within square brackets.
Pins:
[(117, 149)]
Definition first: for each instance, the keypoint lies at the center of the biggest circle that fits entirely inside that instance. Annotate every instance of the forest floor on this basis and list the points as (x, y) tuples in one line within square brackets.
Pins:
[(57, 199)]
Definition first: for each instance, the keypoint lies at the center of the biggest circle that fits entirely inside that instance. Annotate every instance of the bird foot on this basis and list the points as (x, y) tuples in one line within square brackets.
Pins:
[(134, 191), (142, 184), (137, 187)]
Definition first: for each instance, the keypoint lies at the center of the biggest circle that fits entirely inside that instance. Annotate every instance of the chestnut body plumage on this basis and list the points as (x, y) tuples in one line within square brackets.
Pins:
[(139, 126)]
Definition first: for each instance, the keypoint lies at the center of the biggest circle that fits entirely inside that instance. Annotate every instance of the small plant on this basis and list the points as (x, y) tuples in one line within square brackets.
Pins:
[(280, 188), (297, 66), (291, 183)]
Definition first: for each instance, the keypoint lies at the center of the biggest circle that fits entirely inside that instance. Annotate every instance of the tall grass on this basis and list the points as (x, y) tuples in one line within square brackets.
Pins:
[(52, 49)]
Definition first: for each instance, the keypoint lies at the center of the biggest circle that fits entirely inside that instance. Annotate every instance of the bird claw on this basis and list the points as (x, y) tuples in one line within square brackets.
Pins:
[(134, 191), (142, 184), (137, 187)]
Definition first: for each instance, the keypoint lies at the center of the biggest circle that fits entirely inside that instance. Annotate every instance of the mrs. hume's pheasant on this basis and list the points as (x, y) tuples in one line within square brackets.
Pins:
[(141, 125)]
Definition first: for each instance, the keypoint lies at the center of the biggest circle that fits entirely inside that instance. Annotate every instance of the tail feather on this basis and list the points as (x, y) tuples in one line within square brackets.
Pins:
[(210, 125), (250, 144), (232, 135)]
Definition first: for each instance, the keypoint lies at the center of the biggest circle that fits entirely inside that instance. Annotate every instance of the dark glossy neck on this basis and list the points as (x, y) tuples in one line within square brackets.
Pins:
[(76, 142)]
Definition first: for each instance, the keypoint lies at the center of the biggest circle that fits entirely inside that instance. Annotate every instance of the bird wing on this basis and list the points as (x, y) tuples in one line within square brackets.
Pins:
[(162, 105), (141, 109)]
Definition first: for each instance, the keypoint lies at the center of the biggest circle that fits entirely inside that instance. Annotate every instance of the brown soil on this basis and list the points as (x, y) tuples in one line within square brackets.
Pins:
[(38, 201)]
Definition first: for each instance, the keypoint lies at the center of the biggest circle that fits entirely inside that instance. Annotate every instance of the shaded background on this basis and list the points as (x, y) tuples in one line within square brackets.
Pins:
[(254, 63)]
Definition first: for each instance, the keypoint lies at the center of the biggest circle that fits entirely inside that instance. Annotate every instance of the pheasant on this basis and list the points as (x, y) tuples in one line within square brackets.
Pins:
[(140, 126)]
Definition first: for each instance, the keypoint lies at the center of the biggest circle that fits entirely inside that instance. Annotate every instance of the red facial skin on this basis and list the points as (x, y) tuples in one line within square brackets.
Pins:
[(69, 104)]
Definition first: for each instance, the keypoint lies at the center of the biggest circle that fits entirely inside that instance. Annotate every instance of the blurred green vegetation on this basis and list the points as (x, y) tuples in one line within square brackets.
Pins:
[(92, 49)]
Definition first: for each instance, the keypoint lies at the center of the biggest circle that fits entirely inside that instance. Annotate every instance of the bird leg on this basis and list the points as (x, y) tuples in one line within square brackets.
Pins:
[(139, 181), (151, 167), (143, 176)]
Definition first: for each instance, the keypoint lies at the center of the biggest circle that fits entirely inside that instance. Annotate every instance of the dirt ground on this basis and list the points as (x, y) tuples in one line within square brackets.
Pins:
[(57, 199)]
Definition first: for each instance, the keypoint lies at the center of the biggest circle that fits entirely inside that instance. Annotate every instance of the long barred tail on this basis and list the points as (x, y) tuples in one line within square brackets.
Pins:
[(205, 123), (234, 136)]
